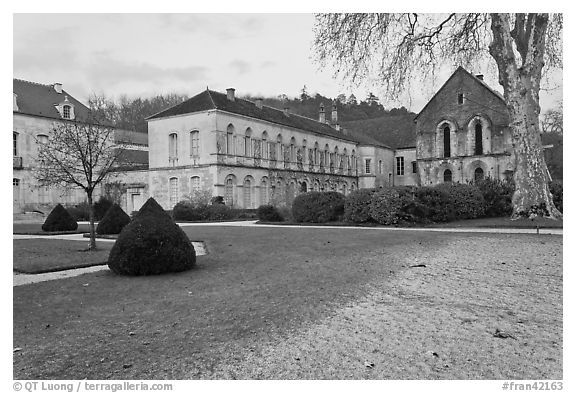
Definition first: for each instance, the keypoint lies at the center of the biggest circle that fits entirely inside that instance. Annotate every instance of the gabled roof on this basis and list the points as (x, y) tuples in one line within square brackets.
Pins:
[(398, 132), (209, 100), (41, 100), (460, 69)]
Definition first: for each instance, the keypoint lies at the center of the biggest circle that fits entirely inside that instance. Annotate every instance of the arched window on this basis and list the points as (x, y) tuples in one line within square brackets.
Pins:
[(279, 147), (304, 151), (264, 192), (248, 143), (478, 174), (379, 167), (42, 139), (447, 176), (247, 189), (194, 146), (195, 183), (446, 141), (173, 148), (303, 187), (292, 149), (173, 189), (344, 189), (353, 161), (66, 112), (478, 139), (316, 154), (326, 155), (265, 145), (230, 139), (229, 191)]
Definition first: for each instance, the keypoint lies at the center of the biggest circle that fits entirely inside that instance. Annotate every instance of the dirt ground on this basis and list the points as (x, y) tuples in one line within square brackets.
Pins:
[(482, 308)]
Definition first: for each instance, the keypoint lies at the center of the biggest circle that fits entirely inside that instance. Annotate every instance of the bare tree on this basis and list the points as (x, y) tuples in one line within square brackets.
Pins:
[(553, 120), (79, 154), (396, 48)]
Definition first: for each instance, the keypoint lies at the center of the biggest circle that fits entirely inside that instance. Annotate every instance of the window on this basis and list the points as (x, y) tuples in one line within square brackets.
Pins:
[(446, 141), (414, 167), (478, 174), (173, 188), (264, 191), (400, 166), (195, 145), (460, 98), (447, 176), (248, 143), (66, 111), (15, 143), (230, 140), (247, 194), (228, 192), (173, 148), (195, 183), (265, 145), (303, 187), (292, 149), (380, 167), (478, 139), (368, 162), (42, 139), (43, 194), (16, 182)]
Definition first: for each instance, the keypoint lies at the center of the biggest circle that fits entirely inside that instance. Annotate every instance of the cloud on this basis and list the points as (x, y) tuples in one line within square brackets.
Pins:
[(267, 64), (240, 66)]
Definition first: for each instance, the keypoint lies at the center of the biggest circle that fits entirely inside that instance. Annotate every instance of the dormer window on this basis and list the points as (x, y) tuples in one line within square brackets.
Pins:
[(66, 111), (460, 98)]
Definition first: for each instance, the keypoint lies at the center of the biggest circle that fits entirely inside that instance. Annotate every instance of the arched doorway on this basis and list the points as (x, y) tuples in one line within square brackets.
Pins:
[(447, 176), (303, 187), (478, 174)]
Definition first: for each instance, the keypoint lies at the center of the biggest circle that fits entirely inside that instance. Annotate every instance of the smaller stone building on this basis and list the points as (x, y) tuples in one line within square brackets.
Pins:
[(462, 133)]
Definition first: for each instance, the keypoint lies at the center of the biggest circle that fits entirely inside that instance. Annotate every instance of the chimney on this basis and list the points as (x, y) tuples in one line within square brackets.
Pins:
[(337, 127), (230, 93), (259, 103), (334, 114), (480, 76), (322, 118), (58, 87), (286, 111)]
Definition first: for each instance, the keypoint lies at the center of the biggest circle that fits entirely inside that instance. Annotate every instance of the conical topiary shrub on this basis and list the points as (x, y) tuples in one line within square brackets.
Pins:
[(113, 221), (151, 244), (59, 220)]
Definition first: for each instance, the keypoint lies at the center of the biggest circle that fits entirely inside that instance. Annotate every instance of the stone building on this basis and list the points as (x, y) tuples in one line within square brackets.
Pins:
[(37, 108), (251, 154), (462, 133)]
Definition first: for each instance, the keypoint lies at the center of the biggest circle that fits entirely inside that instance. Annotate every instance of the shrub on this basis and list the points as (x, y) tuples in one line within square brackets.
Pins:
[(185, 211), (217, 200), (497, 196), (357, 205), (113, 221), (437, 203), (318, 206), (219, 212), (385, 206), (467, 200), (101, 207), (198, 198), (269, 213), (556, 190), (151, 244), (59, 220), (80, 212)]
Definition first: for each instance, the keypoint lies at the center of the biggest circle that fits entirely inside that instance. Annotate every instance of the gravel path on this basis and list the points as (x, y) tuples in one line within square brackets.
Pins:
[(488, 307)]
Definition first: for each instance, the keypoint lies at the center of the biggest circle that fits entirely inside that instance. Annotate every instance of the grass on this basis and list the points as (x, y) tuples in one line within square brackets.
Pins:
[(49, 255), (255, 283), (260, 287), (36, 229)]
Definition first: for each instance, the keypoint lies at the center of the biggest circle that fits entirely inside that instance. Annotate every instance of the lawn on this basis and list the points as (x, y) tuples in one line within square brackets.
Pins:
[(36, 228), (48, 255), (260, 294)]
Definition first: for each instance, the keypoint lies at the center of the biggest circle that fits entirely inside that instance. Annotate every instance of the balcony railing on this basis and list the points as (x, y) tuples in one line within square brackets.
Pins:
[(17, 162)]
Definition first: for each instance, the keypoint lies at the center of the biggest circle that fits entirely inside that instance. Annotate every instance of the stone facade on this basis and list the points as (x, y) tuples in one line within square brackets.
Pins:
[(463, 133)]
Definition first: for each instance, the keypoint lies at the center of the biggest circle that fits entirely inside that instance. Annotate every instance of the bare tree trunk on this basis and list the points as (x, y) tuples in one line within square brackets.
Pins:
[(521, 93), (91, 215)]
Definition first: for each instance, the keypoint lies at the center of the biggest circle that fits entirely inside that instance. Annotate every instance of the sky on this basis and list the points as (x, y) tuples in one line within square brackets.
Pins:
[(141, 55)]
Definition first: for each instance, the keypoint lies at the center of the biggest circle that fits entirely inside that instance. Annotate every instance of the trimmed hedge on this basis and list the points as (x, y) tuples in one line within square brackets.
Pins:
[(438, 204), (357, 205), (151, 244), (497, 196), (80, 212), (385, 206), (185, 211), (101, 207), (269, 213), (318, 207), (113, 221), (467, 200), (59, 220)]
